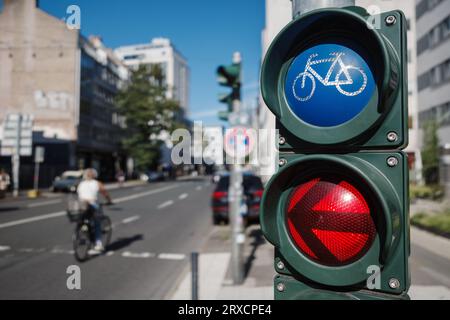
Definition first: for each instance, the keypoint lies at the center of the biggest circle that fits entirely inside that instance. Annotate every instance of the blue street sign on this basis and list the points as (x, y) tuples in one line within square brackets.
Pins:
[(328, 85)]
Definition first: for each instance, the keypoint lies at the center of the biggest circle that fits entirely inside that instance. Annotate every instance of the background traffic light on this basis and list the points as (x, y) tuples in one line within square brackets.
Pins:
[(230, 76), (337, 209)]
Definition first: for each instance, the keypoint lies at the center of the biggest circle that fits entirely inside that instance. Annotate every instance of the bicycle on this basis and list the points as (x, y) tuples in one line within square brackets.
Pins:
[(83, 238), (310, 73)]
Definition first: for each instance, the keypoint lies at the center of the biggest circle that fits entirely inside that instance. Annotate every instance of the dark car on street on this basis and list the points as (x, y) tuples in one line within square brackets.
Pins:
[(253, 190), (67, 182)]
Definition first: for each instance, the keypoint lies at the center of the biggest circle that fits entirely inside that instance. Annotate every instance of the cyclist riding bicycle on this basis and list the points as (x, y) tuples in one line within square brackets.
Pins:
[(88, 191)]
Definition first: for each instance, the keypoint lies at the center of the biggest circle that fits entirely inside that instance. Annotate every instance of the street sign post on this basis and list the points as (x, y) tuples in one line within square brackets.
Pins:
[(39, 155), (337, 209), (17, 141), (230, 76)]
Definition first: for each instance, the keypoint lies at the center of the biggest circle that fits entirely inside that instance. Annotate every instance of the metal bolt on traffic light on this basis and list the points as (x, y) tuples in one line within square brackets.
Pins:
[(338, 205)]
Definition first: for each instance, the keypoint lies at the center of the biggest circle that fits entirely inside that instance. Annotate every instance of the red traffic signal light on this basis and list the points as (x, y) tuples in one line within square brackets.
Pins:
[(330, 221)]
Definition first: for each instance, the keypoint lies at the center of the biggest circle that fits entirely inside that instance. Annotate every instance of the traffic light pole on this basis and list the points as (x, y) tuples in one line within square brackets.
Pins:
[(15, 159), (303, 6), (235, 191)]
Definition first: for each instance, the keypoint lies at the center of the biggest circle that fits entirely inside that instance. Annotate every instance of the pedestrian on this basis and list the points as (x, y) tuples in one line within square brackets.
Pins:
[(120, 177), (5, 181)]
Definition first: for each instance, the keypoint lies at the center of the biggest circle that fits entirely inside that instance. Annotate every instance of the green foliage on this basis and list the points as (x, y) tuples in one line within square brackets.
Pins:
[(148, 112), (433, 192), (430, 153), (438, 223)]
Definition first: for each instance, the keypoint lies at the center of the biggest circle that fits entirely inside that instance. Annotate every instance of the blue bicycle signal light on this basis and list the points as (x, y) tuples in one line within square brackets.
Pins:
[(328, 85), (331, 81)]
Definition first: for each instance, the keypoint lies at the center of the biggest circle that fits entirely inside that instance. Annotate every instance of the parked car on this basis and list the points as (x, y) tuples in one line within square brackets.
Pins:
[(68, 181), (253, 190), (153, 176), (216, 176)]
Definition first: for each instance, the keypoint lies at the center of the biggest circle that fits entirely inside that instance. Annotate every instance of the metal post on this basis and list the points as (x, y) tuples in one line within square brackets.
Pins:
[(36, 176), (15, 159), (235, 198), (303, 6), (194, 272)]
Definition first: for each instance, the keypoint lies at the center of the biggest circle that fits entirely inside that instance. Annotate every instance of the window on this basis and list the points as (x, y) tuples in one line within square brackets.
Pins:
[(444, 114), (433, 3), (134, 57), (422, 44), (426, 116), (446, 70), (435, 76), (421, 8), (445, 26), (433, 37), (423, 81)]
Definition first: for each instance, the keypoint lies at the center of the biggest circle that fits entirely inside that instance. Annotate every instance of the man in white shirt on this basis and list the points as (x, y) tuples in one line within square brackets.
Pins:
[(88, 191)]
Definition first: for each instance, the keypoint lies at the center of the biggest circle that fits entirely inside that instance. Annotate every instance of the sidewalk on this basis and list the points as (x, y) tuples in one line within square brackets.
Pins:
[(214, 275), (426, 206), (215, 281)]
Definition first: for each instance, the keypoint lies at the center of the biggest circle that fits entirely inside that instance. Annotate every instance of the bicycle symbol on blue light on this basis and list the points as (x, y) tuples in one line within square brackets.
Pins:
[(342, 78)]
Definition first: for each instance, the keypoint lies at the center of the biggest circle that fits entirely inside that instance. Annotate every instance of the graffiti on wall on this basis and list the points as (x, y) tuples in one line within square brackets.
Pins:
[(56, 100)]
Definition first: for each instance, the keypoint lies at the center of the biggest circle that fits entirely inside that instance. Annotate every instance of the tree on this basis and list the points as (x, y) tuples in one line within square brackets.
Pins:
[(430, 153), (148, 113)]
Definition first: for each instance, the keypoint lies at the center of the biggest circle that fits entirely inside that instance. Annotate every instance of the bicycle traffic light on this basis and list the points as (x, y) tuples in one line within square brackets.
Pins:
[(337, 209)]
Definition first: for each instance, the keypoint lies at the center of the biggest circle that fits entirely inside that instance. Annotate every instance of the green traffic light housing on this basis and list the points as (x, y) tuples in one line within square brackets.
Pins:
[(332, 217), (337, 210), (223, 115), (382, 52), (229, 76)]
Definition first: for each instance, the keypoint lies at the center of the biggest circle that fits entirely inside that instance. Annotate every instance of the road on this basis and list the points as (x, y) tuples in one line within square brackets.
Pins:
[(156, 226)]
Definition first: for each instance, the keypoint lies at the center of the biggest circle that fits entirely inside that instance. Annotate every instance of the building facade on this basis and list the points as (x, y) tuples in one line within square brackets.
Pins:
[(162, 52), (409, 9), (433, 69), (278, 15), (67, 83)]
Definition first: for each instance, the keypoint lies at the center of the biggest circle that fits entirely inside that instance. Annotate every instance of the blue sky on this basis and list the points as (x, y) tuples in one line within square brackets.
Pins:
[(207, 32)]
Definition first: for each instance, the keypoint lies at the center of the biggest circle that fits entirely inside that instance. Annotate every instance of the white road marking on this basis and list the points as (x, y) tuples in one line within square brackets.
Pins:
[(61, 251), (44, 203), (165, 204), (4, 248), (27, 250), (109, 253), (33, 219), (143, 255), (130, 219), (183, 196), (63, 213), (143, 194), (198, 188), (171, 256)]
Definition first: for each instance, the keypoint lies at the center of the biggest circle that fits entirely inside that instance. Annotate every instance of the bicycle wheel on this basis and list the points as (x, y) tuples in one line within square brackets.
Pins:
[(106, 227), (305, 96), (82, 242), (354, 93)]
